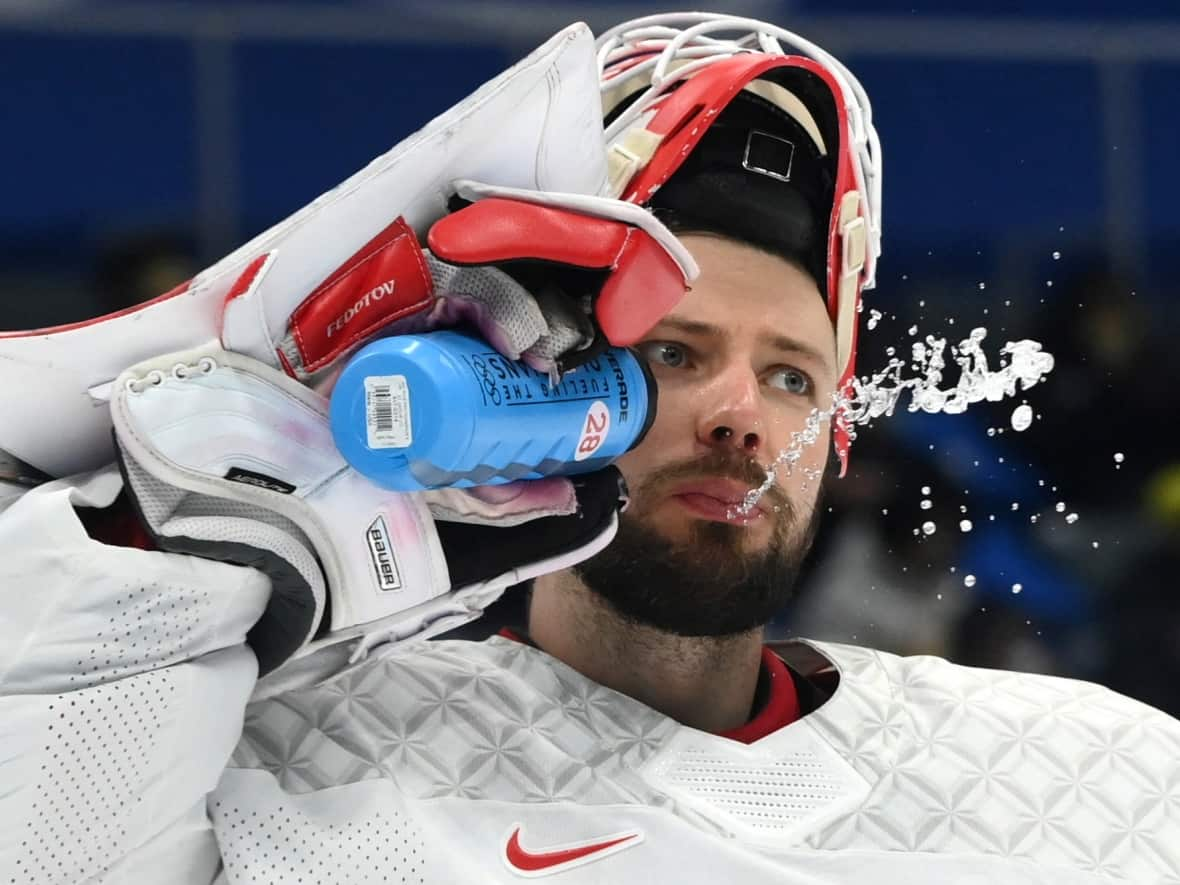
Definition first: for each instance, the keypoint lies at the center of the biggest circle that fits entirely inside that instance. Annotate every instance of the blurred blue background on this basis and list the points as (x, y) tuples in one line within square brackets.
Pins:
[(1030, 186)]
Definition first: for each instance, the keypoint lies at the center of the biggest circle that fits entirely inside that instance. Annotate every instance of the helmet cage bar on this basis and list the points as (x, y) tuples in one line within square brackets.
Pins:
[(681, 44)]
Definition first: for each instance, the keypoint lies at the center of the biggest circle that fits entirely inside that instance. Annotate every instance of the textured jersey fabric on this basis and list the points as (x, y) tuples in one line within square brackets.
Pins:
[(913, 764), (129, 754)]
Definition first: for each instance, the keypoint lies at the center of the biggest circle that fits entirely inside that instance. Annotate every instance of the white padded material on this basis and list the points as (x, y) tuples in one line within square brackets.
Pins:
[(770, 792), (538, 125), (344, 835)]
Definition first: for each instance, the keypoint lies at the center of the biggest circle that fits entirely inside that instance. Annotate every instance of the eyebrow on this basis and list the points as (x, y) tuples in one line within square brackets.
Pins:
[(781, 342)]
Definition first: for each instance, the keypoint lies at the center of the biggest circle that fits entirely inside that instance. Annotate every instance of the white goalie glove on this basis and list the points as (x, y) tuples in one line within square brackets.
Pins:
[(220, 421), (230, 459)]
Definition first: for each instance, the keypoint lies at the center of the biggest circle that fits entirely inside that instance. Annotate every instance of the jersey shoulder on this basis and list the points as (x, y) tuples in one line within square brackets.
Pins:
[(1059, 771), (936, 691)]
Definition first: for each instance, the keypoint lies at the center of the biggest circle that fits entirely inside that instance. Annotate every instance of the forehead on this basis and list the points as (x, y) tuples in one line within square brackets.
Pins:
[(749, 293)]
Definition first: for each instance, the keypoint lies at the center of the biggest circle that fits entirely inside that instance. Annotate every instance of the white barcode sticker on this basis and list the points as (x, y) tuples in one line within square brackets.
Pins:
[(387, 412)]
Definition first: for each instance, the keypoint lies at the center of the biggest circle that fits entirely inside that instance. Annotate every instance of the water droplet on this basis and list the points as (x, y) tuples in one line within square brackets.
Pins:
[(926, 504), (1049, 283), (1094, 544), (938, 596), (1056, 256), (884, 511), (1072, 518), (991, 431), (874, 318), (1022, 417), (962, 508), (929, 528), (925, 490), (965, 525), (982, 286), (1020, 365), (1033, 518), (969, 580), (1015, 506), (1016, 588), (1119, 457), (1059, 506)]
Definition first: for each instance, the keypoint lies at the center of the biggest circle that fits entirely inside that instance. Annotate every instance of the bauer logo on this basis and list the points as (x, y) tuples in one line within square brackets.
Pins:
[(381, 552), (259, 480), (594, 431)]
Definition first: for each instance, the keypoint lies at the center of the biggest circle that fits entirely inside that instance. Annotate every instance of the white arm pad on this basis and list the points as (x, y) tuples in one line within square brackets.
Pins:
[(123, 681)]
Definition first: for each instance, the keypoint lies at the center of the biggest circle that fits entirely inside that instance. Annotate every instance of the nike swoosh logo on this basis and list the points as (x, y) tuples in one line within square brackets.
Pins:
[(559, 858)]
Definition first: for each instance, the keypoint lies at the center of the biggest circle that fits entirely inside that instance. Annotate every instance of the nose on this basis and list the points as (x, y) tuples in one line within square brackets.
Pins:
[(732, 416)]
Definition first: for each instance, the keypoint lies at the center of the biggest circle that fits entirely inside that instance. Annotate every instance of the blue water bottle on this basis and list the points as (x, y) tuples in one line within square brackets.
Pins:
[(416, 412)]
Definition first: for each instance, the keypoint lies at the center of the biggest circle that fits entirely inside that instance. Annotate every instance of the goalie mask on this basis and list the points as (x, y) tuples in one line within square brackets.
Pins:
[(731, 134)]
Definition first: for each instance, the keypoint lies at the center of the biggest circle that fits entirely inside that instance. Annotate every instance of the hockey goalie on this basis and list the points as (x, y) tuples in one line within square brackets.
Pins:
[(203, 679)]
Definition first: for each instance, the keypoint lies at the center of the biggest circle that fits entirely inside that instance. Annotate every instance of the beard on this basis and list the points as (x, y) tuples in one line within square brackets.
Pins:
[(706, 584)]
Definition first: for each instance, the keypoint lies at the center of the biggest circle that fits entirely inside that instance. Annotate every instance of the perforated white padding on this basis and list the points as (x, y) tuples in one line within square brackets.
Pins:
[(174, 512), (283, 845), (99, 742), (162, 503), (771, 797), (149, 623), (772, 791)]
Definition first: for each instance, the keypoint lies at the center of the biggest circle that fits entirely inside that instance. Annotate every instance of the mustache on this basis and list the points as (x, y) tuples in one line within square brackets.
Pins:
[(720, 465)]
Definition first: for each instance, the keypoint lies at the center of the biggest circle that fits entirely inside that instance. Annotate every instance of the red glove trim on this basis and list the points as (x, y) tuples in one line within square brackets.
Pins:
[(387, 279), (497, 229), (644, 284)]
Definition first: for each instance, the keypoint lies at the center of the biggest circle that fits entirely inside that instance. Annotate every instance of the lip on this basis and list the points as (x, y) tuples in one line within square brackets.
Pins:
[(715, 499)]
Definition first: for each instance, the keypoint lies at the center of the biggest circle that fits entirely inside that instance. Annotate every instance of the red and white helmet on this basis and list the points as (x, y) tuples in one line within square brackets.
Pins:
[(666, 81)]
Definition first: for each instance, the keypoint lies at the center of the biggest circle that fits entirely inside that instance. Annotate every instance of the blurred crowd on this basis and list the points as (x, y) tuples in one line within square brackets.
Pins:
[(1052, 549)]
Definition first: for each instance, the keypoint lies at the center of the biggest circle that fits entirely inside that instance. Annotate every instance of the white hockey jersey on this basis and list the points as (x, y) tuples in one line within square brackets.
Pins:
[(129, 754)]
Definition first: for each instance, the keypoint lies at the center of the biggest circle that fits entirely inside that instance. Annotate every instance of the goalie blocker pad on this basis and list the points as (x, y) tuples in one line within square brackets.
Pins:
[(537, 126)]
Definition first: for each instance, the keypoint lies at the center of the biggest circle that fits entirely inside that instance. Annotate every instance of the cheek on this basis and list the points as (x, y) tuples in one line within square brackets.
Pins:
[(668, 440)]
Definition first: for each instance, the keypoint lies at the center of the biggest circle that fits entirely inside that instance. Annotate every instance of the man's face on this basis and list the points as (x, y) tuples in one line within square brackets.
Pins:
[(741, 363)]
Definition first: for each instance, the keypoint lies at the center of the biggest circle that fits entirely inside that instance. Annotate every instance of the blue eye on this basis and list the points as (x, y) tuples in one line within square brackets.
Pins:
[(793, 381), (664, 353)]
